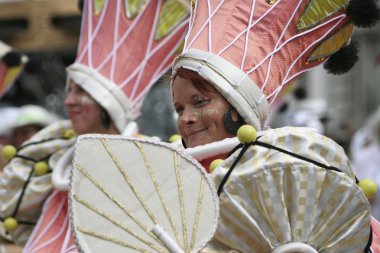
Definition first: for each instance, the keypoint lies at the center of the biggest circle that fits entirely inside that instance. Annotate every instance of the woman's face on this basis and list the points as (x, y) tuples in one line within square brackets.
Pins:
[(83, 111), (200, 113)]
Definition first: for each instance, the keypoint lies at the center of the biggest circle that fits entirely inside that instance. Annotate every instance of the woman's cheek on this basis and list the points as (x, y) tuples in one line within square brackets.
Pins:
[(86, 100), (206, 113), (179, 126), (90, 109), (88, 104)]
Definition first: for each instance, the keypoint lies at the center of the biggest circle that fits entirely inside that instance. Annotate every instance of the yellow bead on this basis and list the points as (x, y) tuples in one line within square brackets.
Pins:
[(69, 133), (10, 224), (9, 151), (369, 187), (246, 134), (40, 168), (174, 138), (215, 164)]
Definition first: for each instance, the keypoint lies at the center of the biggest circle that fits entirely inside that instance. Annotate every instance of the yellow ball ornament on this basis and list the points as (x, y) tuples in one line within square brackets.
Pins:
[(174, 138), (69, 133), (9, 151), (10, 224), (215, 164), (40, 168), (369, 187), (246, 134)]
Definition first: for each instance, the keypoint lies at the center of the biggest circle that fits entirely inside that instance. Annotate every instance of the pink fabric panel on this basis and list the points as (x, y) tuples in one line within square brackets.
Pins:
[(375, 246), (52, 227)]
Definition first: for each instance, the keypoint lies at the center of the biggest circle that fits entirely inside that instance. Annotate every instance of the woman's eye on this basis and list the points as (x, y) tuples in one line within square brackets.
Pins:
[(199, 102), (81, 90), (178, 110)]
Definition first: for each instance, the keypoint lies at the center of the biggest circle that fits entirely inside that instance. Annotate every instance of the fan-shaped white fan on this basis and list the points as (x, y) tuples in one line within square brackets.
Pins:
[(133, 195)]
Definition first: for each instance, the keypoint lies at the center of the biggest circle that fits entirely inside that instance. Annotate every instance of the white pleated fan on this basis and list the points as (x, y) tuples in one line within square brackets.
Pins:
[(133, 195)]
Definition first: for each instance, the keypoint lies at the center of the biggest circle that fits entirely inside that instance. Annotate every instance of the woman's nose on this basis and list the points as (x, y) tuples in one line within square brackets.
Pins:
[(70, 99), (188, 116)]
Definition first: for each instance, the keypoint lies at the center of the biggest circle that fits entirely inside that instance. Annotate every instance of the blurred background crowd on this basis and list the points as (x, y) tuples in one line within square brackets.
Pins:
[(345, 108)]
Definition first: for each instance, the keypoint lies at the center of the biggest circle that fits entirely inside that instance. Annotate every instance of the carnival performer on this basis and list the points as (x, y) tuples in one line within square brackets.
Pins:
[(282, 190), (124, 48), (365, 155), (12, 64), (30, 120)]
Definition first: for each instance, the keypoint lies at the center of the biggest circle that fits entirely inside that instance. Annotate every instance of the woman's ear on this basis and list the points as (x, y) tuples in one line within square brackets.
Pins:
[(232, 121), (234, 115)]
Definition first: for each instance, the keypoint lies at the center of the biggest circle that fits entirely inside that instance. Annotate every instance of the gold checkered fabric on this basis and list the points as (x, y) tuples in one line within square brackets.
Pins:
[(273, 198)]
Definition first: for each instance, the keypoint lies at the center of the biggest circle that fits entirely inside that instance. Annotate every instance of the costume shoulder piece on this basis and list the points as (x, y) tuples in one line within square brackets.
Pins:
[(291, 187), (47, 145), (26, 179)]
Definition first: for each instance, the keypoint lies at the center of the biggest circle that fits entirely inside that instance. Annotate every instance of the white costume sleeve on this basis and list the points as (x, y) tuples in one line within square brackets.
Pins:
[(18, 178)]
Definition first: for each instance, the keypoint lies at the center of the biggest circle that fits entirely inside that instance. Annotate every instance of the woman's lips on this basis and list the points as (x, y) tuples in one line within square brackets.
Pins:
[(192, 133), (74, 114)]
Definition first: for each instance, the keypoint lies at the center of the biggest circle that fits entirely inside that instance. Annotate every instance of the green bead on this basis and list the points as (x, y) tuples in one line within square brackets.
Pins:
[(40, 168), (174, 138), (246, 134), (10, 224), (9, 151), (69, 133), (215, 164), (369, 187)]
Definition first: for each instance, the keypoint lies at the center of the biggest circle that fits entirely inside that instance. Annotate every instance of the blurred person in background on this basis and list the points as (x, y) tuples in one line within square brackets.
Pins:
[(365, 154), (8, 115), (12, 64), (20, 124), (30, 120), (296, 109)]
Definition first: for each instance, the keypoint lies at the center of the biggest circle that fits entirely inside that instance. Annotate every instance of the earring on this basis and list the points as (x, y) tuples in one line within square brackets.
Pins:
[(230, 124)]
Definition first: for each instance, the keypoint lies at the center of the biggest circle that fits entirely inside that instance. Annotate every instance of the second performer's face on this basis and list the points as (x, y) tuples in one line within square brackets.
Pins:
[(83, 111), (200, 113)]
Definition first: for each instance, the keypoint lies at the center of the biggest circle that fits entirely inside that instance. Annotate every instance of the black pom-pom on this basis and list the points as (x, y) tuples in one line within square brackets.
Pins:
[(12, 59), (283, 108), (343, 60), (363, 13), (300, 93)]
